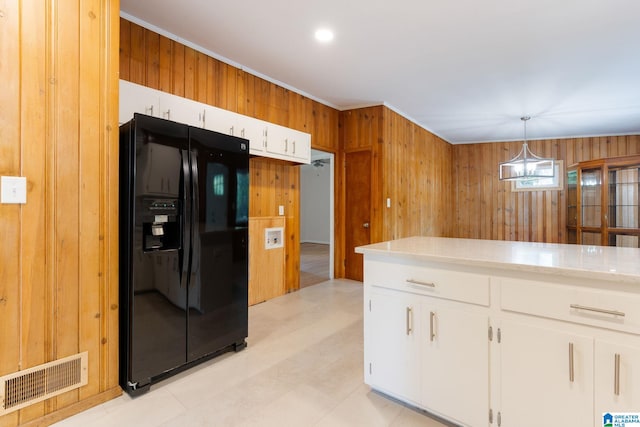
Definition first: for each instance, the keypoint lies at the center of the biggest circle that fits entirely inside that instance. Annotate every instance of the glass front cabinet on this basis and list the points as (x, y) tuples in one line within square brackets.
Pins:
[(602, 202)]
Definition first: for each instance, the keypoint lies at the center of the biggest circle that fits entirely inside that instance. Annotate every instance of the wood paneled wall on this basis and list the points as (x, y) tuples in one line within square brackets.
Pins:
[(486, 208), (155, 61), (416, 176), (59, 251), (410, 165)]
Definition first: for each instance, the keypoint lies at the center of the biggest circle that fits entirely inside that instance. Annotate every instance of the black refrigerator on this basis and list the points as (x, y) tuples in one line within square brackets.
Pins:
[(184, 198)]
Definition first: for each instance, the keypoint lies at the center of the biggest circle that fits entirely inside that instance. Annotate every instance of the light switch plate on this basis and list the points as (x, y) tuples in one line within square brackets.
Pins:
[(13, 189), (280, 210)]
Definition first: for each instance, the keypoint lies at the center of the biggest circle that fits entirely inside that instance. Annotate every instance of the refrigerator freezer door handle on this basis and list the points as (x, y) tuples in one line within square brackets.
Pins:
[(186, 219), (194, 248)]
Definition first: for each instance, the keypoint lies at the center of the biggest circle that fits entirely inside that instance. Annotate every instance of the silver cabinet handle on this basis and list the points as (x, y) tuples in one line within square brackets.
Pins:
[(168, 113), (597, 310), (293, 143), (242, 133), (409, 315), (571, 374), (432, 329), (365, 225), (150, 110), (418, 282), (616, 375)]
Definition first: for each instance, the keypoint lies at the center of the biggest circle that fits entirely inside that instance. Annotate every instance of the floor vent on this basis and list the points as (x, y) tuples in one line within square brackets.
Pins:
[(24, 388)]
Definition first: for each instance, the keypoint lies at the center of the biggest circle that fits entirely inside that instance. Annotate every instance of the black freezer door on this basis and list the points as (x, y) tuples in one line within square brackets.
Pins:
[(155, 223), (218, 288)]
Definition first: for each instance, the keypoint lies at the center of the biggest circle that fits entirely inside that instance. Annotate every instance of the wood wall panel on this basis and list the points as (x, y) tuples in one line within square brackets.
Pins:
[(267, 266), (486, 208), (409, 165), (155, 61), (58, 280), (10, 164), (416, 175)]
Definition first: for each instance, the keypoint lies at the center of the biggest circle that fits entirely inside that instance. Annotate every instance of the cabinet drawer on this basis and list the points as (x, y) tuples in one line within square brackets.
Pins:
[(607, 309), (440, 283)]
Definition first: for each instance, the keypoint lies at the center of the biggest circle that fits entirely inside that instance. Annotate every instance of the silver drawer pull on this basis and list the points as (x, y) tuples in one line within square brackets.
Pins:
[(597, 310), (418, 282), (409, 320)]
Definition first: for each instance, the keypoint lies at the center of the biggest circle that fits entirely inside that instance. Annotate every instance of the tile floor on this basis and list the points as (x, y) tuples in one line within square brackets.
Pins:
[(302, 367), (314, 264)]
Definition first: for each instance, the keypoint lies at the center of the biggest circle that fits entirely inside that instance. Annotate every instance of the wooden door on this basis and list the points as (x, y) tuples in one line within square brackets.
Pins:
[(358, 210)]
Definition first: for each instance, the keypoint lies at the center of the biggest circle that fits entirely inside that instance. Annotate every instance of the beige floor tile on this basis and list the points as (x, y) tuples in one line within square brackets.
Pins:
[(303, 367)]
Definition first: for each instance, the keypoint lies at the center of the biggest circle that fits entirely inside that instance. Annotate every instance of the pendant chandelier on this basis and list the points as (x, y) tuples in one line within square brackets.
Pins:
[(526, 165)]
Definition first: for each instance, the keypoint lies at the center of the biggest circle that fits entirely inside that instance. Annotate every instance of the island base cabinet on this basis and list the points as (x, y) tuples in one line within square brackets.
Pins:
[(546, 376), (455, 363), (428, 352), (617, 376), (391, 348)]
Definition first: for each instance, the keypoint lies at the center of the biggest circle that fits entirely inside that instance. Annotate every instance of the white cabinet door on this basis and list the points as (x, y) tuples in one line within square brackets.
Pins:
[(617, 376), (251, 129), (394, 353), (300, 144), (220, 120), (180, 110), (135, 98), (455, 363), (276, 141), (288, 144), (546, 376)]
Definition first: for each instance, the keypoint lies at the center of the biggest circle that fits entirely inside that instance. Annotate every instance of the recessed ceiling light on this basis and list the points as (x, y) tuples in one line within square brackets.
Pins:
[(324, 35)]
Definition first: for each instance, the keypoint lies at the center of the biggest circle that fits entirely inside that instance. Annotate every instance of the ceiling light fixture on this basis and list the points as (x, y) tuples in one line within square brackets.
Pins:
[(324, 35), (526, 165)]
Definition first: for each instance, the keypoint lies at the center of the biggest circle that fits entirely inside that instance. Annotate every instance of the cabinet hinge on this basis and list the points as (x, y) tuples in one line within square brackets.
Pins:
[(490, 333), (499, 419), (490, 416), (499, 336)]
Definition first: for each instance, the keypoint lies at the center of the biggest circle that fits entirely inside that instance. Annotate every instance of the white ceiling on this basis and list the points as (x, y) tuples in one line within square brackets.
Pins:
[(466, 70)]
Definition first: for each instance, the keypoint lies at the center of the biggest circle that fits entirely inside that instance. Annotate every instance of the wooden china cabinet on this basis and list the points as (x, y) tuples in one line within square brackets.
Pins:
[(602, 202)]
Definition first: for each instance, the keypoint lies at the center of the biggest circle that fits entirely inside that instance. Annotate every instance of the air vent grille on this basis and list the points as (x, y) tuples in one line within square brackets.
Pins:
[(24, 388)]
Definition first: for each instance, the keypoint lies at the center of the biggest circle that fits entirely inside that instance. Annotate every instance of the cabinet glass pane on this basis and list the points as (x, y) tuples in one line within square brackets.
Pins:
[(572, 198), (623, 197), (589, 238), (591, 186), (623, 240)]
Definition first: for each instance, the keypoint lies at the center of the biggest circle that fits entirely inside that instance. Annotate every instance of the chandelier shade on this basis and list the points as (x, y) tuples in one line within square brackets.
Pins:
[(526, 165)]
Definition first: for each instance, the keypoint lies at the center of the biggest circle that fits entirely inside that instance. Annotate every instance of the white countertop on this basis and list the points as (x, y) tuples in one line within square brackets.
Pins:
[(594, 262)]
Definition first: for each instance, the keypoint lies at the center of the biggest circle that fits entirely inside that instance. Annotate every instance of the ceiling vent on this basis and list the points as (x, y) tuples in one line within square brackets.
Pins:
[(24, 388)]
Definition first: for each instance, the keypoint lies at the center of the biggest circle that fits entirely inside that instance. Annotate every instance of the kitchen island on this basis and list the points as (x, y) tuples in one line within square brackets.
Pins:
[(503, 333)]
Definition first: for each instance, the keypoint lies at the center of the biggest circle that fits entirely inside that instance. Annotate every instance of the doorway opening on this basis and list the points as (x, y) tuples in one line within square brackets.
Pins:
[(316, 219)]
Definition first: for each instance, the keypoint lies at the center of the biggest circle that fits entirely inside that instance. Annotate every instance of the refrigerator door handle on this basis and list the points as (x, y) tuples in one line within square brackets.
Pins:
[(194, 250), (186, 219)]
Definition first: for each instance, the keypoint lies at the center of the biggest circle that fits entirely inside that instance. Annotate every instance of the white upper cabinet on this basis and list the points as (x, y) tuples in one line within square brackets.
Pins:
[(265, 139), (180, 110), (137, 99), (285, 143)]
